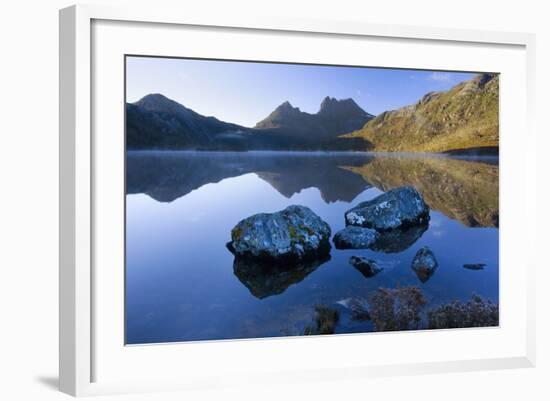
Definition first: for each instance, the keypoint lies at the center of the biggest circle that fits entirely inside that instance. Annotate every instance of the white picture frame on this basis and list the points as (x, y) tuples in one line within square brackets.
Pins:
[(78, 225)]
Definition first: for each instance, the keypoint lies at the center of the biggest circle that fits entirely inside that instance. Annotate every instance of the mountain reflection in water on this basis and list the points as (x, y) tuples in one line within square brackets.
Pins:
[(463, 189), (167, 176)]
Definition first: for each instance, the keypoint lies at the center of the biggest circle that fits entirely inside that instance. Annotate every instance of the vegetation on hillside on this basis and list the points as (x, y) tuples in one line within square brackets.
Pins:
[(464, 117)]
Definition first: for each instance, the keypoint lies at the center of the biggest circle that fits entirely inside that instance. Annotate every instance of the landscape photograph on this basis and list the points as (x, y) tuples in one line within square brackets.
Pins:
[(282, 199)]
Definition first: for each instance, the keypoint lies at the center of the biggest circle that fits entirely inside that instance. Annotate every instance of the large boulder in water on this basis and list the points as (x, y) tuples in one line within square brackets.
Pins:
[(295, 233), (398, 208)]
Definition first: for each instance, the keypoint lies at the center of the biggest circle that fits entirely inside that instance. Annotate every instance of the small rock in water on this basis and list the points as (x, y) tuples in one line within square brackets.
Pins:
[(397, 208), (353, 237), (424, 264), (295, 233), (474, 266), (367, 267)]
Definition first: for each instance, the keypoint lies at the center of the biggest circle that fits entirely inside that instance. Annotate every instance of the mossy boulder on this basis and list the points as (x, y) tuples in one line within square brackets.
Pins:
[(295, 233)]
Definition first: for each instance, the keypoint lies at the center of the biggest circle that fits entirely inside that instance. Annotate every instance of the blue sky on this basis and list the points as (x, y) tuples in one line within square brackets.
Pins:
[(245, 93)]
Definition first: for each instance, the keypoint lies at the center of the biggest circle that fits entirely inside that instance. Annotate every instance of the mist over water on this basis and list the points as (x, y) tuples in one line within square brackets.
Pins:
[(183, 284)]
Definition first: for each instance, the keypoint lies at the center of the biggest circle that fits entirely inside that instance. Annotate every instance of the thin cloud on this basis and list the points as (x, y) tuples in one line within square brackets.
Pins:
[(440, 77)]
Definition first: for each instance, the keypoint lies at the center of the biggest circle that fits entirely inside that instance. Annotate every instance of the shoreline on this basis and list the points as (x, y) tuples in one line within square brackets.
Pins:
[(466, 153)]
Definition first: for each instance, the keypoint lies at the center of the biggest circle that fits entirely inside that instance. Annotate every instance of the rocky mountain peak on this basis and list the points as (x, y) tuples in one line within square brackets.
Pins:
[(286, 106), (483, 79), (156, 102), (327, 102), (333, 106), (335, 117), (486, 82)]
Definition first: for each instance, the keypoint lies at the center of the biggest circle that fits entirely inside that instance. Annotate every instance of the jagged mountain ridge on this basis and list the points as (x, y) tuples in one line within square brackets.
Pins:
[(156, 122), (334, 118)]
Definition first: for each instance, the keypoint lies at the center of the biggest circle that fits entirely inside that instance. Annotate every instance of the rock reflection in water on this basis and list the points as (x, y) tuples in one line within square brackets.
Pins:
[(424, 274), (398, 240), (264, 279)]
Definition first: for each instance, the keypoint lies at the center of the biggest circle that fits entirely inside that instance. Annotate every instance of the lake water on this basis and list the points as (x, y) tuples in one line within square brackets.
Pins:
[(181, 281)]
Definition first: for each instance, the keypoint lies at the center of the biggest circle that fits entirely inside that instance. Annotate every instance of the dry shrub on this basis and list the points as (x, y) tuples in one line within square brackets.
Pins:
[(396, 309), (474, 313)]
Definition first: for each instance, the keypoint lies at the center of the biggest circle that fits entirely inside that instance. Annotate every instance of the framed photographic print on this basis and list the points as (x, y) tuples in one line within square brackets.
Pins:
[(275, 200)]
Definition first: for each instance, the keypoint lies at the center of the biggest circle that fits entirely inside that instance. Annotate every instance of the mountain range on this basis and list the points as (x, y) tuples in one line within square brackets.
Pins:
[(156, 122), (465, 117)]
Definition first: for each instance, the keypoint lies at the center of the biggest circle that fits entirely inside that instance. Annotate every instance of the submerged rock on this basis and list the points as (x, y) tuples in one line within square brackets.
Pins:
[(424, 264), (474, 266), (295, 233), (357, 306), (367, 267), (264, 279), (353, 237), (398, 208), (325, 321), (359, 309)]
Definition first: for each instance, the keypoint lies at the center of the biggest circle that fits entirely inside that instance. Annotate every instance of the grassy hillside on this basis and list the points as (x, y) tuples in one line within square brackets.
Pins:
[(464, 117)]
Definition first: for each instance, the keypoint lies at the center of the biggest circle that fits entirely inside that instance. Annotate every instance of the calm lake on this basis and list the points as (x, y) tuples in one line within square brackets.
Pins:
[(181, 281)]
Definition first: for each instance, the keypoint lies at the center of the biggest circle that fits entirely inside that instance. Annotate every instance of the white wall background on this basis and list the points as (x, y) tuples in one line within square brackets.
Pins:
[(29, 187)]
